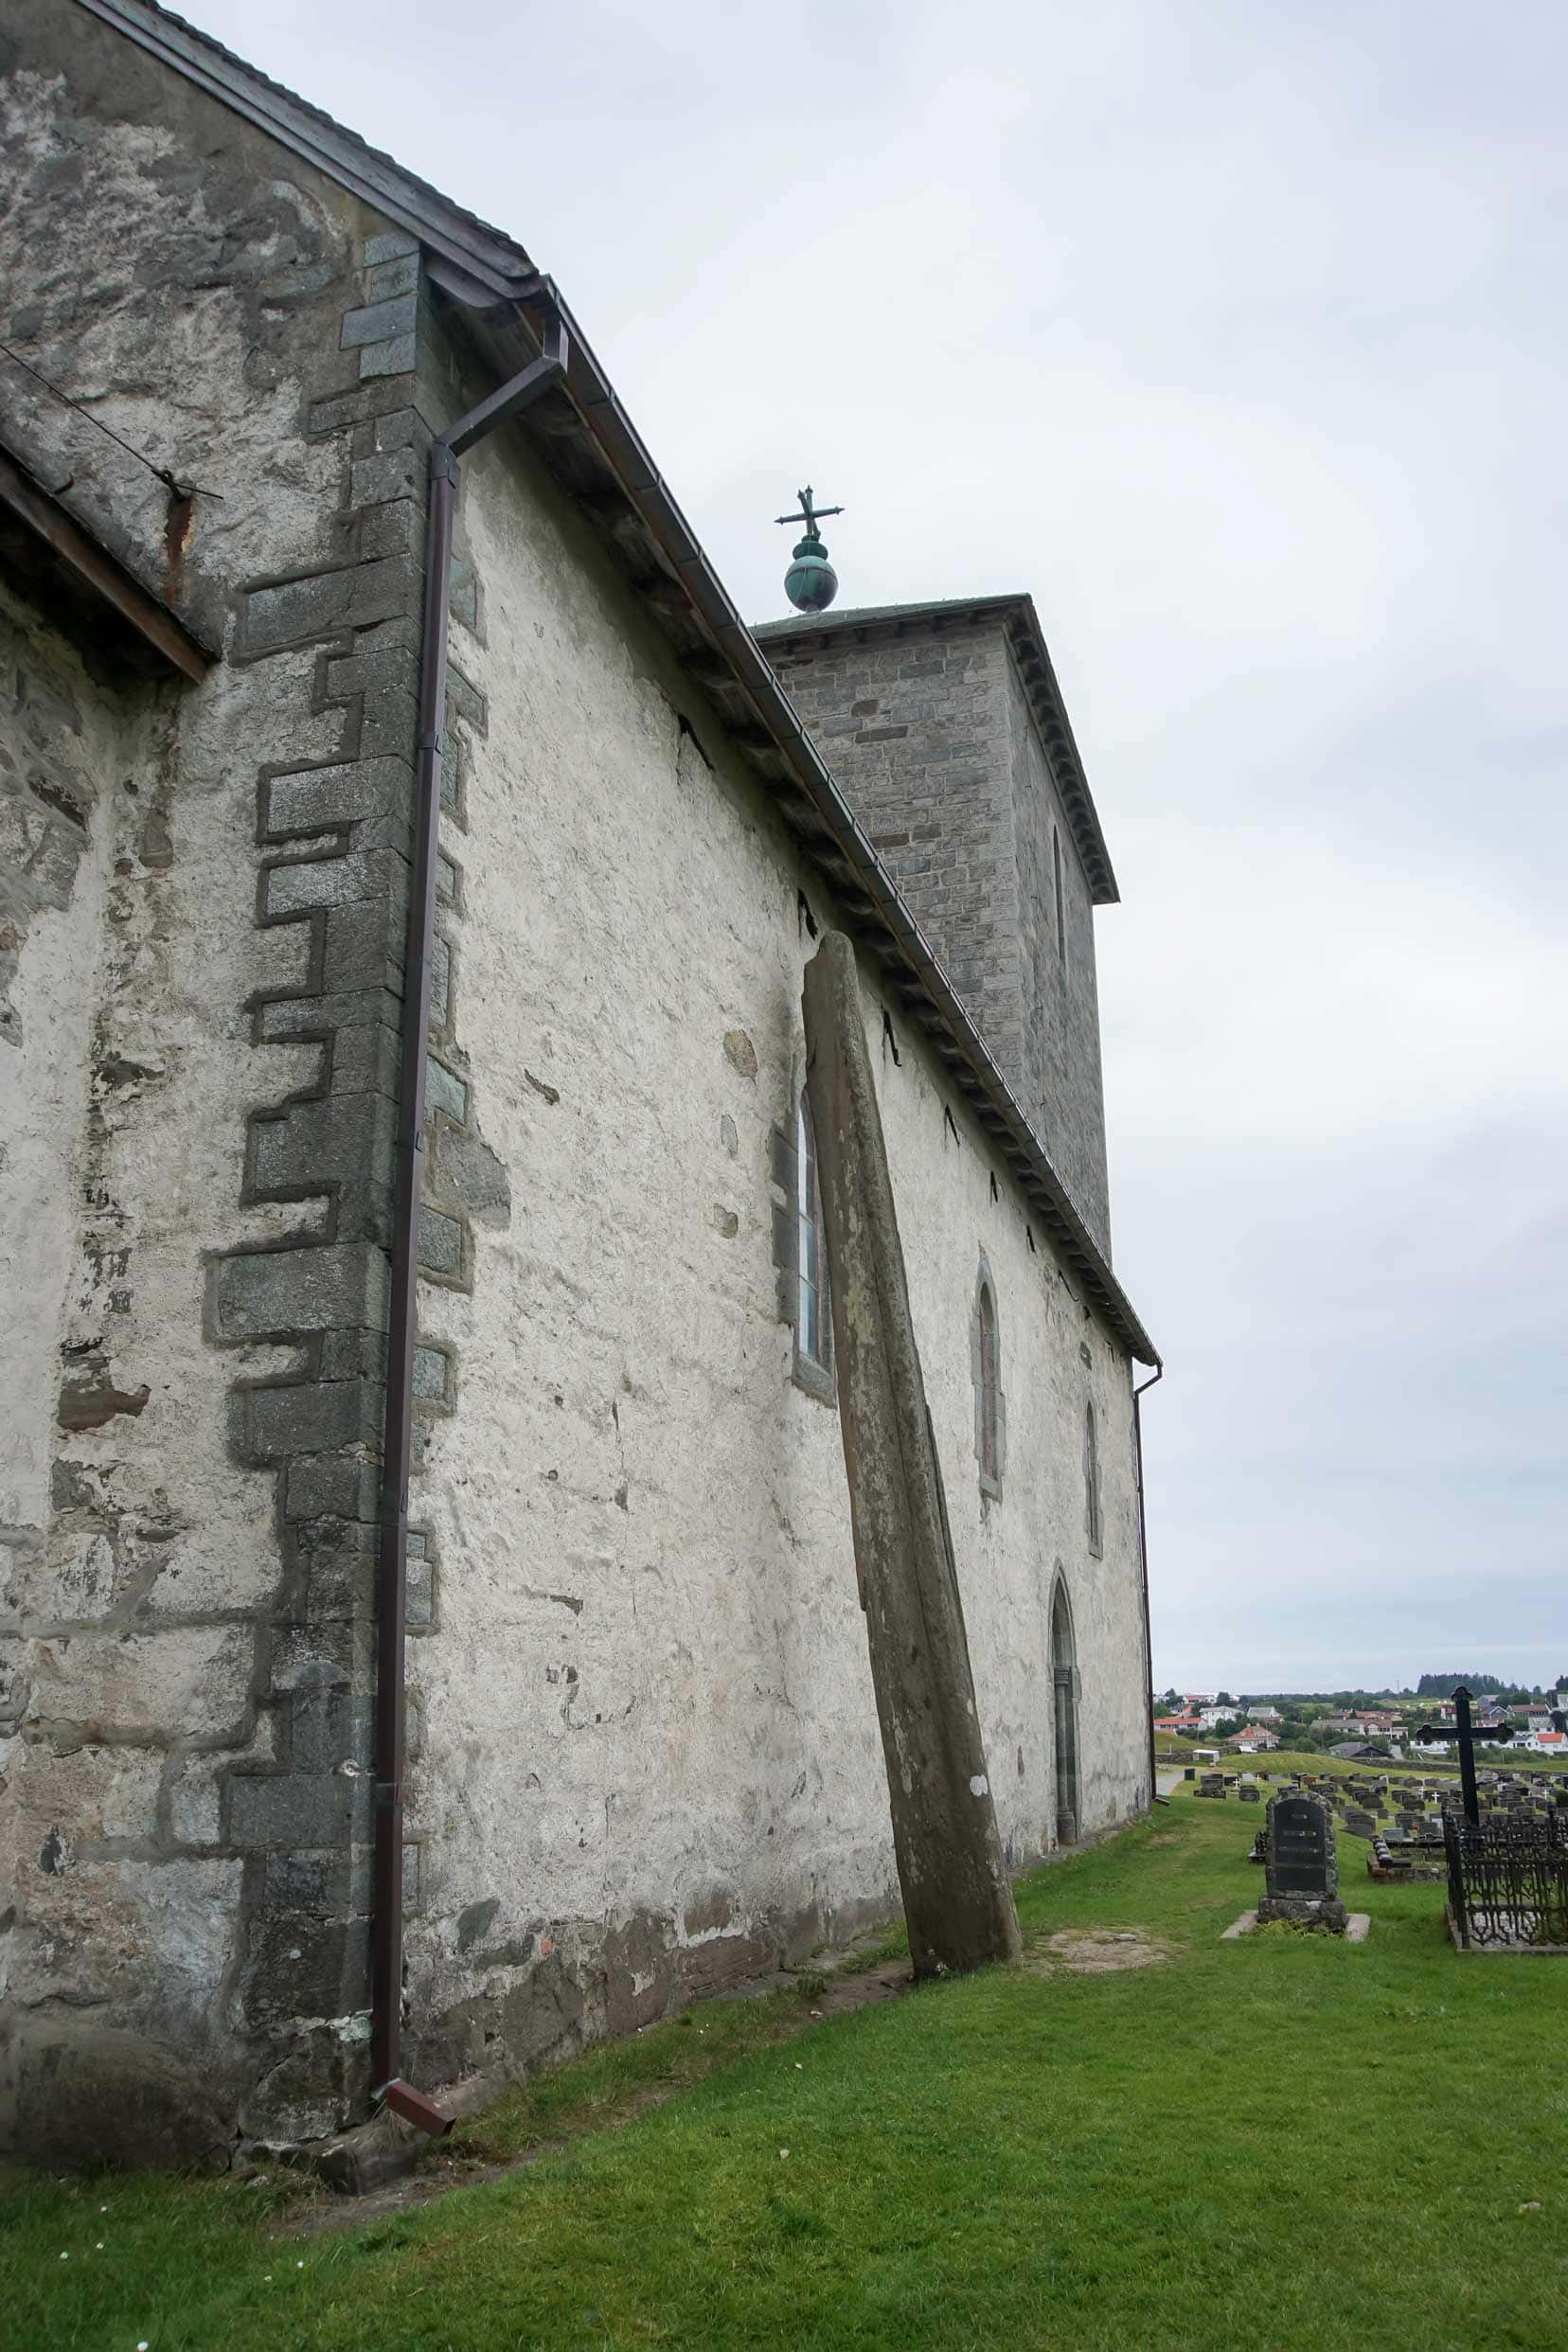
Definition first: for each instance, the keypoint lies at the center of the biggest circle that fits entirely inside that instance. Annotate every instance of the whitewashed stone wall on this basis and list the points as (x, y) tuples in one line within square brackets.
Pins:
[(649, 1755)]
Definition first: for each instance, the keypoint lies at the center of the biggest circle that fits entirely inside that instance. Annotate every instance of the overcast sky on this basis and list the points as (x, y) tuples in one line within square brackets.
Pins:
[(1236, 334)]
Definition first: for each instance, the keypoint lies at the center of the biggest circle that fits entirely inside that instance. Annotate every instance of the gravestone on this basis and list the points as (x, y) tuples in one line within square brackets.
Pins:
[(1301, 1865), (1248, 1794)]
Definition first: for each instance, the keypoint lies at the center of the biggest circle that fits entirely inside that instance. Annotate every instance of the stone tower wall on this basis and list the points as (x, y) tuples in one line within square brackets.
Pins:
[(927, 730)]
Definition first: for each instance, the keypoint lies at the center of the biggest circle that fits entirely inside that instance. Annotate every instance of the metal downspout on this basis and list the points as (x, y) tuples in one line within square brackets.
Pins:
[(1157, 1375), (387, 1932)]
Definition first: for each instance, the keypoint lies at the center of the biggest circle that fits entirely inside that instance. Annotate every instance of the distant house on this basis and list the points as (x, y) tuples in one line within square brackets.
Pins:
[(1264, 1715), (1546, 1742), (1256, 1739)]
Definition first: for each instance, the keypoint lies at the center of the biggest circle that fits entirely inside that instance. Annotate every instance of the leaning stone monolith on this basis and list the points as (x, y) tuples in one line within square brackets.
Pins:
[(957, 1900)]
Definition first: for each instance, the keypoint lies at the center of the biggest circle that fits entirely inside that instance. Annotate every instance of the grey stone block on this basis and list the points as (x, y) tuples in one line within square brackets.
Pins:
[(394, 357), (366, 1061), (419, 1594), (297, 1966), (332, 1880), (375, 480), (291, 1016), (388, 245), (365, 946), (313, 799), (295, 611), (378, 322), (309, 1289), (431, 1375), (313, 1416), (327, 1657), (384, 590), (397, 276), (441, 982), (441, 1242), (443, 1092), (328, 1142), (304, 884), (388, 528), (464, 605), (340, 1486), (353, 1355), (328, 1729), (295, 1809)]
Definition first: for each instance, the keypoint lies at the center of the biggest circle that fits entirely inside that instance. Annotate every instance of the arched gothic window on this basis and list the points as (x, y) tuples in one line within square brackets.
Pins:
[(1064, 1688), (813, 1321), (991, 1407), (989, 1384), (1092, 1518)]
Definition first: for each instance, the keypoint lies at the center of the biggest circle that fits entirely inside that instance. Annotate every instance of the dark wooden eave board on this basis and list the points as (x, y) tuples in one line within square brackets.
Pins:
[(152, 631)]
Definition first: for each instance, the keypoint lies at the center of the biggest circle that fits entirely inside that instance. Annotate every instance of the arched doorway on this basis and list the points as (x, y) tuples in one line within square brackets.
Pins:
[(1065, 1716)]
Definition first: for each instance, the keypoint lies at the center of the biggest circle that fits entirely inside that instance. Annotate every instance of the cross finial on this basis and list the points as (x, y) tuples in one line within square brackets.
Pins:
[(808, 513)]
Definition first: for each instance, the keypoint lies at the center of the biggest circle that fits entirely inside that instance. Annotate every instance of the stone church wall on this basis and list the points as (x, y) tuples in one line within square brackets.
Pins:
[(643, 1751), (649, 1759), (202, 965)]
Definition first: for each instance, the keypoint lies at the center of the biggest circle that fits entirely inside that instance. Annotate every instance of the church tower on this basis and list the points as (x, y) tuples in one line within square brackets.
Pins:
[(944, 726)]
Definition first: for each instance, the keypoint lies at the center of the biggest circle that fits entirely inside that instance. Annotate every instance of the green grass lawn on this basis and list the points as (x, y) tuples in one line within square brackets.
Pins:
[(1283, 2140)]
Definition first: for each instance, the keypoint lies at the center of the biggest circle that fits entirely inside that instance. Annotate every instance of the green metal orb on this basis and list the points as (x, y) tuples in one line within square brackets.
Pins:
[(810, 583)]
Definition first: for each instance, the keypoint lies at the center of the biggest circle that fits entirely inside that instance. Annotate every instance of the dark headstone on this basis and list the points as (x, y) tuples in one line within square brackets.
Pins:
[(1301, 1865)]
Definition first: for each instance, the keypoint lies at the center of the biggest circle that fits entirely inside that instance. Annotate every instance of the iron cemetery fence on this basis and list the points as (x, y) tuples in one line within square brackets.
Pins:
[(1508, 1882)]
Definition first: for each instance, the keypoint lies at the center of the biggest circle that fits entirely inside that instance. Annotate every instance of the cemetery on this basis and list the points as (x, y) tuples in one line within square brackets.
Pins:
[(1042, 2153)]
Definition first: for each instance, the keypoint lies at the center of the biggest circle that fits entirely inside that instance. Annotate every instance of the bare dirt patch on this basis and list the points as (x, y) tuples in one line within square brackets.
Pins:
[(1093, 1951)]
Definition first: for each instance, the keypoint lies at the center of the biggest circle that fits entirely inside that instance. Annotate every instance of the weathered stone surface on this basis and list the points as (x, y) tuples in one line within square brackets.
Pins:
[(958, 1900), (189, 1682), (81, 2094), (1301, 1864), (928, 731)]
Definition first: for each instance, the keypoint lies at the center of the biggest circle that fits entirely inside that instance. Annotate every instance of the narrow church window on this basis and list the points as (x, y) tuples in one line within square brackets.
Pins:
[(814, 1329), (1061, 907), (1064, 1716), (989, 1382), (1091, 1479)]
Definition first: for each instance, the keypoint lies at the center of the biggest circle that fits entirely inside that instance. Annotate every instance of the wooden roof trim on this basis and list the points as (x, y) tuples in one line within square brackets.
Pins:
[(95, 568)]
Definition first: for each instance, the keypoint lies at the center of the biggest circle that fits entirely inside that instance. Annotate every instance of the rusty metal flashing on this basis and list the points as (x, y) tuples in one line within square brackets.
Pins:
[(1026, 640), (597, 454), (90, 565)]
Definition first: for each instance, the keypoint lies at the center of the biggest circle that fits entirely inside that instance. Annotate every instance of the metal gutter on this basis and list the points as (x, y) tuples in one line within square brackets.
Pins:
[(386, 1922)]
